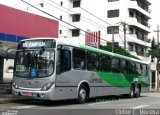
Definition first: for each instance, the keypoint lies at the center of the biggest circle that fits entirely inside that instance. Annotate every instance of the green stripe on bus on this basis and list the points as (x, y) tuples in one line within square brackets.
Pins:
[(121, 80)]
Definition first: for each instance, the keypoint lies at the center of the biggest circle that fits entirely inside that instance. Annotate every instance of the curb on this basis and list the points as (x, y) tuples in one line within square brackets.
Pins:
[(8, 98), (8, 101)]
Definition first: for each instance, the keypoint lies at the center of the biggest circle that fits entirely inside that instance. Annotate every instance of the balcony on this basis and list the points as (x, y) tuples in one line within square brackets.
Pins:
[(133, 39), (133, 21), (143, 4), (138, 51), (137, 5), (143, 22)]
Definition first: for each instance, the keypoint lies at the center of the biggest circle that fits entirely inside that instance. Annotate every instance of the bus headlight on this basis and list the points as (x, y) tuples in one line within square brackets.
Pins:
[(47, 86), (15, 85)]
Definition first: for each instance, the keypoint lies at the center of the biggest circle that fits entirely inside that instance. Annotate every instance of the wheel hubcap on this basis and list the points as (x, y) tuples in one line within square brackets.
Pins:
[(138, 92), (82, 94)]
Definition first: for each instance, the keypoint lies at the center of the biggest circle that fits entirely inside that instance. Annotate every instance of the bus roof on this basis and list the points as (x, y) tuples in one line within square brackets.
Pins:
[(112, 54), (70, 42)]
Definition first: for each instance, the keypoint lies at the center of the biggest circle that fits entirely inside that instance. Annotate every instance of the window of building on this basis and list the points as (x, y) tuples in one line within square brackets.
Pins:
[(113, 13), (142, 50), (92, 61), (75, 32), (60, 31), (115, 29), (61, 3), (131, 13), (79, 60), (131, 30), (131, 47), (60, 17), (76, 3), (76, 17), (112, 0)]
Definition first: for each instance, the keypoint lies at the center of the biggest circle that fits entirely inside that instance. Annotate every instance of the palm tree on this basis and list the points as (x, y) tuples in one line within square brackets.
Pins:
[(154, 52)]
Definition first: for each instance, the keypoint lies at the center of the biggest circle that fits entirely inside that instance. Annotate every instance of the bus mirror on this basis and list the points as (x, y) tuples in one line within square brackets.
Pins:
[(59, 47)]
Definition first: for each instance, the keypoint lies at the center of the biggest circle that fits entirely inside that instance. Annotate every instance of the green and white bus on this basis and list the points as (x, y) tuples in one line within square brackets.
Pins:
[(56, 69)]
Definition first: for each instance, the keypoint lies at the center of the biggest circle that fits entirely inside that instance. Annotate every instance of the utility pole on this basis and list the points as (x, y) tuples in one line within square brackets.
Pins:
[(112, 39), (157, 57), (124, 30)]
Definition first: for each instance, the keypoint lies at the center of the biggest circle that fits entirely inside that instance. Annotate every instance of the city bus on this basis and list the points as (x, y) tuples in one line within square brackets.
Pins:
[(57, 69)]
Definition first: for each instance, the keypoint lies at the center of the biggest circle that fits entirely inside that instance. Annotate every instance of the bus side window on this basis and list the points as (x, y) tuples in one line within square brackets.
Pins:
[(92, 61), (104, 63), (64, 61), (138, 68), (131, 67), (123, 66), (115, 65), (79, 59)]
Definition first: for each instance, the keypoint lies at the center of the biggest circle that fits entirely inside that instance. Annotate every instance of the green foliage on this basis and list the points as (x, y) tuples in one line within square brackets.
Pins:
[(153, 45), (154, 52), (117, 49)]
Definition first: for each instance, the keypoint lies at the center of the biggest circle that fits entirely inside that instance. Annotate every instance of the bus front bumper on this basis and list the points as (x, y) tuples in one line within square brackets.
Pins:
[(32, 94)]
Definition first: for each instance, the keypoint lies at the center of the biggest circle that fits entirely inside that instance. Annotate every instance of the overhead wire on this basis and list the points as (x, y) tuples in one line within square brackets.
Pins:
[(108, 23), (58, 18), (88, 20), (85, 18)]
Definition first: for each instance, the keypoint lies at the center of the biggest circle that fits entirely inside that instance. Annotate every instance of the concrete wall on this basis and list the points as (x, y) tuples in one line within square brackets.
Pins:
[(8, 73)]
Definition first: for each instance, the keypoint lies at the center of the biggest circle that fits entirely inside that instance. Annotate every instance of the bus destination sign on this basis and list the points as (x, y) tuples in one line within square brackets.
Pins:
[(38, 44)]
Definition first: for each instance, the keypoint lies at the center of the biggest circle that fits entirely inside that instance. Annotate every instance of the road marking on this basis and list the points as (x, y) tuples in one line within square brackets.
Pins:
[(98, 103), (141, 106), (23, 107)]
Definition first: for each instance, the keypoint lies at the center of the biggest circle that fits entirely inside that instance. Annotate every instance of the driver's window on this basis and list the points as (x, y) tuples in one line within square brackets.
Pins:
[(64, 60)]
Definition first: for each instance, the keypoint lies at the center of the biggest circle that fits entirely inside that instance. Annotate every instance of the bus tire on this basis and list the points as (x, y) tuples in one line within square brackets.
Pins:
[(82, 94), (132, 91), (138, 91)]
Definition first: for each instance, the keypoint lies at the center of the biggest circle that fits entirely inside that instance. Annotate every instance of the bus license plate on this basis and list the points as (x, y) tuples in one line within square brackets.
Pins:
[(28, 94)]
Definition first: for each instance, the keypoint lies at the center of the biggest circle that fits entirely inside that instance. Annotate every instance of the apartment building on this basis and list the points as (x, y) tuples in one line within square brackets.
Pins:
[(81, 16), (131, 16)]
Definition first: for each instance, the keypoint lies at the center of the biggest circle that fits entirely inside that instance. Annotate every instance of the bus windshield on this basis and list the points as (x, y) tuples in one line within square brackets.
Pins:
[(34, 63)]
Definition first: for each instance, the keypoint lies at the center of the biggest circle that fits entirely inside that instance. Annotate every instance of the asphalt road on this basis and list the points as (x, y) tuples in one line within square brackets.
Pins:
[(147, 104)]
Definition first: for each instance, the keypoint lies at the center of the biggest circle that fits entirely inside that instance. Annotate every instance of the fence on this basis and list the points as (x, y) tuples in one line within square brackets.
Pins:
[(5, 88)]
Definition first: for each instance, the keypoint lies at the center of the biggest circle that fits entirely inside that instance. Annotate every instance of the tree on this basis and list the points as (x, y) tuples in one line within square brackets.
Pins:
[(117, 49), (154, 52)]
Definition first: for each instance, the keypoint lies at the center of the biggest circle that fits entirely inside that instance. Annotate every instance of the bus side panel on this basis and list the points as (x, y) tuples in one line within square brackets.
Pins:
[(67, 84)]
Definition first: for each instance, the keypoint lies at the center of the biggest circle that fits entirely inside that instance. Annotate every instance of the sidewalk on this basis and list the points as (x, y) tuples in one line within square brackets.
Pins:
[(6, 98)]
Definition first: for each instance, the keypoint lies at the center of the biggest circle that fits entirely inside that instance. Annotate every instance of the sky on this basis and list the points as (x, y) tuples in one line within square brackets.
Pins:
[(155, 16)]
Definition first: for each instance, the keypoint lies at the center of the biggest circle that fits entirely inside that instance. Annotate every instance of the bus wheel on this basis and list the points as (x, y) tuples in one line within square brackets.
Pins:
[(82, 94), (138, 91), (132, 91)]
